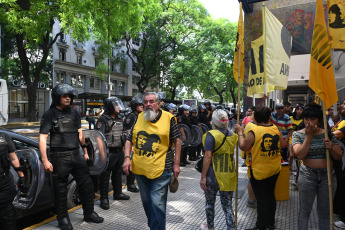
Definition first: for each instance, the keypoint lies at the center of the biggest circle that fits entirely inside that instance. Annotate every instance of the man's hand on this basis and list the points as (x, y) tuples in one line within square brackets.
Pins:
[(176, 170), (127, 166), (23, 188), (48, 167)]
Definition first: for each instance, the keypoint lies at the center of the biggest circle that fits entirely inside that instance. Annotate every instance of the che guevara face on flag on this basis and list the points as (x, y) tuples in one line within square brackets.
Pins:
[(147, 144)]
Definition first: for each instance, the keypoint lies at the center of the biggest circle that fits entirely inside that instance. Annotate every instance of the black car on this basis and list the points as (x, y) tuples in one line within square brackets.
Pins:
[(40, 196)]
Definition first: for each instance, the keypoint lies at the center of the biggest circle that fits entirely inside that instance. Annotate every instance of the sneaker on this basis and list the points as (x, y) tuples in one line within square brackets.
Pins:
[(285, 162), (294, 184), (204, 226), (340, 224), (251, 203)]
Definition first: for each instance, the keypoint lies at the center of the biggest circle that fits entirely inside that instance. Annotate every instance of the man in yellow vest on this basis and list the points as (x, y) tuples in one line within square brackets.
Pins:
[(152, 136)]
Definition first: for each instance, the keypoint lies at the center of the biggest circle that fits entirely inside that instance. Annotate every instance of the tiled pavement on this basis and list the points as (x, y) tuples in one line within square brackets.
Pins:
[(185, 209)]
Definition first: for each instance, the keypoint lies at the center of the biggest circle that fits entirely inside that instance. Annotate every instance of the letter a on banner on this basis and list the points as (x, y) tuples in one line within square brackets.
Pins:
[(239, 48), (277, 50), (321, 75), (256, 84), (336, 23)]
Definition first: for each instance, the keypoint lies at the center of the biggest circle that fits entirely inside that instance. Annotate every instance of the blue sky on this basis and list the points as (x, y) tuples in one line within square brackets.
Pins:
[(223, 8)]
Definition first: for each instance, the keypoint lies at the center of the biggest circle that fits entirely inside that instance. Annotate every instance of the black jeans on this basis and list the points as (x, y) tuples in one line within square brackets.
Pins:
[(266, 200)]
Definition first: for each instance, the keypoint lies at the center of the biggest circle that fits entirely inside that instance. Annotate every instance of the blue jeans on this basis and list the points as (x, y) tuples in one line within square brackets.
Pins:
[(154, 194), (311, 183)]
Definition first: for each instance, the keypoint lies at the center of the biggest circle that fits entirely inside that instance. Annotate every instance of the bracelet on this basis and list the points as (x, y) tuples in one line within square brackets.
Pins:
[(127, 157), (84, 146)]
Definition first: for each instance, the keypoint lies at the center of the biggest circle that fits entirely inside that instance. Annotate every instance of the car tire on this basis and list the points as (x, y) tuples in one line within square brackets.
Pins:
[(73, 199)]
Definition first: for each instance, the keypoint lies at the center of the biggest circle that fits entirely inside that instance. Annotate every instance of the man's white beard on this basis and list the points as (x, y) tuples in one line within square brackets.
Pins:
[(150, 114)]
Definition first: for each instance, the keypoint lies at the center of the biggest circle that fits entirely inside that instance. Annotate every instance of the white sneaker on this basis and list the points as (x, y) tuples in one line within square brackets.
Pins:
[(340, 224)]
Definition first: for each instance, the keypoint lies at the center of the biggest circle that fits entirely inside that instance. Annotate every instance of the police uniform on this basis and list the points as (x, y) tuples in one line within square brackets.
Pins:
[(66, 159), (7, 187), (128, 124), (112, 130), (182, 119), (194, 120)]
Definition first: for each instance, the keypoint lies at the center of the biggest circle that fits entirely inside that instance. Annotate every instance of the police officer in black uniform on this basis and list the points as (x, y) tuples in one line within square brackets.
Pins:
[(194, 120), (66, 136), (137, 107), (7, 187), (111, 125), (182, 118)]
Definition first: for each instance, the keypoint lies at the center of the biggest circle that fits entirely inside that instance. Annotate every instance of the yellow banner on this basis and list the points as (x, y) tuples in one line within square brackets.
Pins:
[(239, 45), (277, 49), (256, 70), (321, 75), (336, 23)]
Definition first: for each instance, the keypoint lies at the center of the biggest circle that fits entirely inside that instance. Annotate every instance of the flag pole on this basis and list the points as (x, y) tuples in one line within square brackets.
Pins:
[(328, 168), (264, 41), (238, 122)]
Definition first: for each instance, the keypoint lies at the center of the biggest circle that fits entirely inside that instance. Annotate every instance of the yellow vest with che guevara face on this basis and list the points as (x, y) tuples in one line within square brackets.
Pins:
[(265, 153), (151, 143), (223, 160)]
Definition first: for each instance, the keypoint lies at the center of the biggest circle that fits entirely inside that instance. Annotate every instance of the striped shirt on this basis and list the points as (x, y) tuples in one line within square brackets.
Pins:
[(174, 133), (283, 123)]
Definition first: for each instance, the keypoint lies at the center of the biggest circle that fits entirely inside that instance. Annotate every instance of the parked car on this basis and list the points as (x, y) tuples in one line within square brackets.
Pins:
[(40, 195)]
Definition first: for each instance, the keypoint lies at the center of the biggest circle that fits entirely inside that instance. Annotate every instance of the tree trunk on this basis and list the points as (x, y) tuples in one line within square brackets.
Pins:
[(220, 94), (173, 93), (232, 92)]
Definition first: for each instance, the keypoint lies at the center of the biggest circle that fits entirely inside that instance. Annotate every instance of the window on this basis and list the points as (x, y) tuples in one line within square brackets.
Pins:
[(60, 78), (77, 80), (97, 83), (134, 69), (92, 82), (122, 55), (135, 80), (121, 87), (136, 41), (79, 59), (62, 54), (62, 38), (113, 66), (96, 61)]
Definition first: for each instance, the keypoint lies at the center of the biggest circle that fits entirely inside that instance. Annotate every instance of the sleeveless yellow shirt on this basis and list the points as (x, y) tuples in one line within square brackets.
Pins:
[(265, 153), (223, 160), (151, 143)]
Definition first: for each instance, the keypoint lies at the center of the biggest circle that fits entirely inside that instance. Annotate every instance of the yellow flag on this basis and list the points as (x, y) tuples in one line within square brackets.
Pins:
[(239, 45), (277, 50), (256, 84), (321, 75), (336, 23)]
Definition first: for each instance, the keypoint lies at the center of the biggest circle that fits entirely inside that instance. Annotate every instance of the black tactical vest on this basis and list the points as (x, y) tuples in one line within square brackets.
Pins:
[(65, 131)]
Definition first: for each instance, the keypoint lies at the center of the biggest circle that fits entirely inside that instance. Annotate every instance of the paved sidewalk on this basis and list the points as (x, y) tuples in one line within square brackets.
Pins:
[(185, 209)]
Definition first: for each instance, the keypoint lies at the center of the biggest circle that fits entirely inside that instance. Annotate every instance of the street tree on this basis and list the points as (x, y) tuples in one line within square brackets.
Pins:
[(31, 23), (214, 60), (164, 41)]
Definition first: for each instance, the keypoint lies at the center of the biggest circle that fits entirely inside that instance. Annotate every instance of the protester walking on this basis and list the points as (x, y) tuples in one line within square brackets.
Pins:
[(152, 136), (219, 175)]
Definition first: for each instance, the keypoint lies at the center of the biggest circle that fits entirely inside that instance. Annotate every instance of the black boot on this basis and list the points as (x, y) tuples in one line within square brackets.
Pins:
[(65, 223), (93, 217), (104, 189), (130, 183), (104, 204), (121, 196), (132, 188)]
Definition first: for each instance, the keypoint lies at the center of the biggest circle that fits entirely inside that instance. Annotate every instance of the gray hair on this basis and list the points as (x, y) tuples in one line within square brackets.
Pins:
[(158, 98), (220, 119)]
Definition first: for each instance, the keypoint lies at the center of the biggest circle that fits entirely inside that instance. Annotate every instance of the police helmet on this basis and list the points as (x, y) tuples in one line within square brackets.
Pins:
[(219, 107), (183, 108), (202, 107), (193, 110), (207, 102), (60, 90), (110, 103), (135, 102), (171, 106)]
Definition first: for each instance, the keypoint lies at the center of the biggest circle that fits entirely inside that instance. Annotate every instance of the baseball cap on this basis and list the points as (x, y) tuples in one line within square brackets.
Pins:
[(279, 106), (173, 185)]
